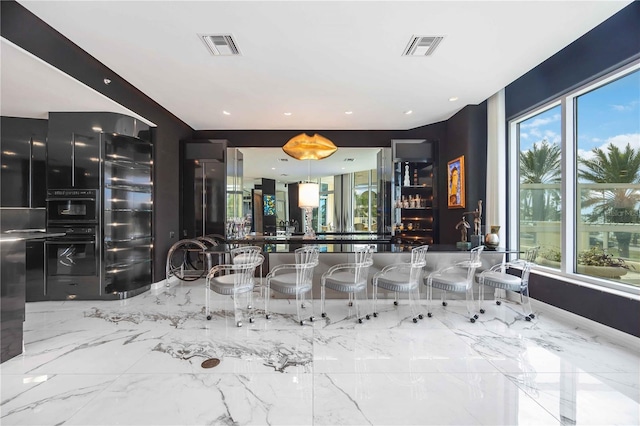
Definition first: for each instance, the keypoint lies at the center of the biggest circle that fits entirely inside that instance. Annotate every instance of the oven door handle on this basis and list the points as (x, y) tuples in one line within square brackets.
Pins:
[(62, 241), (71, 199)]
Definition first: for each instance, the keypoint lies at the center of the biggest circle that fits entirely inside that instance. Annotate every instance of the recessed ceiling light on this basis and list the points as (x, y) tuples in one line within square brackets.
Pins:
[(96, 129), (287, 113), (273, 168), (226, 112), (453, 99), (408, 112), (348, 112)]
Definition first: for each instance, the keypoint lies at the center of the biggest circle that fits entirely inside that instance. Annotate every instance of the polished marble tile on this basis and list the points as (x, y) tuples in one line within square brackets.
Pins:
[(139, 362), (424, 399)]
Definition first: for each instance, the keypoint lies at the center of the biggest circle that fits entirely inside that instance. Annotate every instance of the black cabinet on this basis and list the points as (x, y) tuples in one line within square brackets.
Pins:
[(414, 203), (23, 162)]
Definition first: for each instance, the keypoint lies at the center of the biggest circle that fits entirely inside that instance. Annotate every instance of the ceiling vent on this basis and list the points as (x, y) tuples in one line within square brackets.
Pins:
[(220, 44), (284, 160), (349, 160), (422, 45)]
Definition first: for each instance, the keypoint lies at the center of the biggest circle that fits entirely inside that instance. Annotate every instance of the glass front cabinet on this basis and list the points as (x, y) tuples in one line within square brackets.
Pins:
[(414, 204)]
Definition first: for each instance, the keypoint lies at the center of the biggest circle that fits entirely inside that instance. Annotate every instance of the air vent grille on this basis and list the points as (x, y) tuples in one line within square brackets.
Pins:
[(349, 160), (220, 44), (284, 160), (422, 45)]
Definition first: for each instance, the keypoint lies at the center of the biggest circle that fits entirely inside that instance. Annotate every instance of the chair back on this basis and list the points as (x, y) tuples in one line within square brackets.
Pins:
[(244, 254), (529, 259), (363, 260), (244, 272), (306, 261), (474, 263), (418, 262)]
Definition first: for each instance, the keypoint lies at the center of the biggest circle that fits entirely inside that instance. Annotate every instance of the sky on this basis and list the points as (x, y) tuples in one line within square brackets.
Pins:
[(609, 114)]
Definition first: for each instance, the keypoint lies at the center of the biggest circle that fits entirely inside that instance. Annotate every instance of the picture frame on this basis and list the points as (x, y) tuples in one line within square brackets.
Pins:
[(455, 183)]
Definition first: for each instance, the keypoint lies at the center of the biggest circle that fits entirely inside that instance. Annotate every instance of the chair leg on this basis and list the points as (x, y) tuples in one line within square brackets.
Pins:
[(367, 303), (530, 316), (414, 295), (481, 298), (322, 292), (375, 297), (250, 305), (237, 316), (470, 305), (310, 304), (429, 298), (354, 296), (207, 291), (299, 304), (395, 300), (267, 296)]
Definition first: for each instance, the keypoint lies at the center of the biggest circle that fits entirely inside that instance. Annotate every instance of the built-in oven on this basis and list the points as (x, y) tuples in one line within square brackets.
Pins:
[(73, 262), (72, 266), (72, 206)]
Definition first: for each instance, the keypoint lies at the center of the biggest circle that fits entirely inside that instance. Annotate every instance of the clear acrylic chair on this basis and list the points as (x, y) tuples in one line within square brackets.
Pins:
[(293, 278), (349, 278), (498, 278), (402, 278), (457, 278), (234, 280)]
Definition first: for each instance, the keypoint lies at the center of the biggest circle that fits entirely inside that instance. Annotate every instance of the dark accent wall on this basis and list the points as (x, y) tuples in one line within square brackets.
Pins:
[(26, 30), (466, 135), (611, 44)]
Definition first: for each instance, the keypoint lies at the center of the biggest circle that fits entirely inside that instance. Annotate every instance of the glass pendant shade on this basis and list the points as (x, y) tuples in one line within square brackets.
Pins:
[(305, 147), (308, 195)]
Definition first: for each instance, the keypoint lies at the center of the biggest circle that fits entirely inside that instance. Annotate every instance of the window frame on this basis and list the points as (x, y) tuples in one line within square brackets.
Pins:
[(569, 167)]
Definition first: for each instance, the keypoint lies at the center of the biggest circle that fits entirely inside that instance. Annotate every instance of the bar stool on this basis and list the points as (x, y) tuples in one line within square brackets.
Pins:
[(402, 278), (299, 282), (349, 278)]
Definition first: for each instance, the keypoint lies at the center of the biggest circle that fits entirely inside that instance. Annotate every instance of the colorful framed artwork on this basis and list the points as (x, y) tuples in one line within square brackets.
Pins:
[(455, 183), (269, 205)]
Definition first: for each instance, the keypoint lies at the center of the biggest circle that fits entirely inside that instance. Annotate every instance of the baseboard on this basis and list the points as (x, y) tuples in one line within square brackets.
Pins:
[(617, 336)]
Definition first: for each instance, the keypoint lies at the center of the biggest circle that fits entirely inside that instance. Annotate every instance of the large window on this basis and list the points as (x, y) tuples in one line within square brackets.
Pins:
[(540, 203), (578, 194)]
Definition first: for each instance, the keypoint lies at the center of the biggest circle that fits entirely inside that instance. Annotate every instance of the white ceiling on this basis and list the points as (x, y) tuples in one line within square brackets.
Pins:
[(315, 59)]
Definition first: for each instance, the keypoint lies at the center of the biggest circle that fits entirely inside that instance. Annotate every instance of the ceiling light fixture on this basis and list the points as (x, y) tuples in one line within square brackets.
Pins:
[(226, 112), (408, 112), (348, 112), (305, 147), (287, 114), (453, 99)]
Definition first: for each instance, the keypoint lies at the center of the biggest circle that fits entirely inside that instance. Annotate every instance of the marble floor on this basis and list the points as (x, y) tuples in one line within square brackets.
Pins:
[(138, 362)]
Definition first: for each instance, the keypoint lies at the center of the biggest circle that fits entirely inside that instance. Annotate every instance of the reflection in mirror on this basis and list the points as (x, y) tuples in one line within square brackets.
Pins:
[(352, 186)]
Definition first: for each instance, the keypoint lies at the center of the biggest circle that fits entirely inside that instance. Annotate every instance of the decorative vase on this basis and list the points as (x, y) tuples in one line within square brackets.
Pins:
[(492, 240)]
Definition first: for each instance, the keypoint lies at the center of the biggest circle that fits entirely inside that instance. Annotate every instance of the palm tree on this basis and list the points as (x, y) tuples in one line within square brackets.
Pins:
[(541, 164), (614, 204)]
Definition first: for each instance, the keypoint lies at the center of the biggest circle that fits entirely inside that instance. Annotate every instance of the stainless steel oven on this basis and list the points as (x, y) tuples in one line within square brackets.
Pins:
[(73, 261), (72, 206)]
